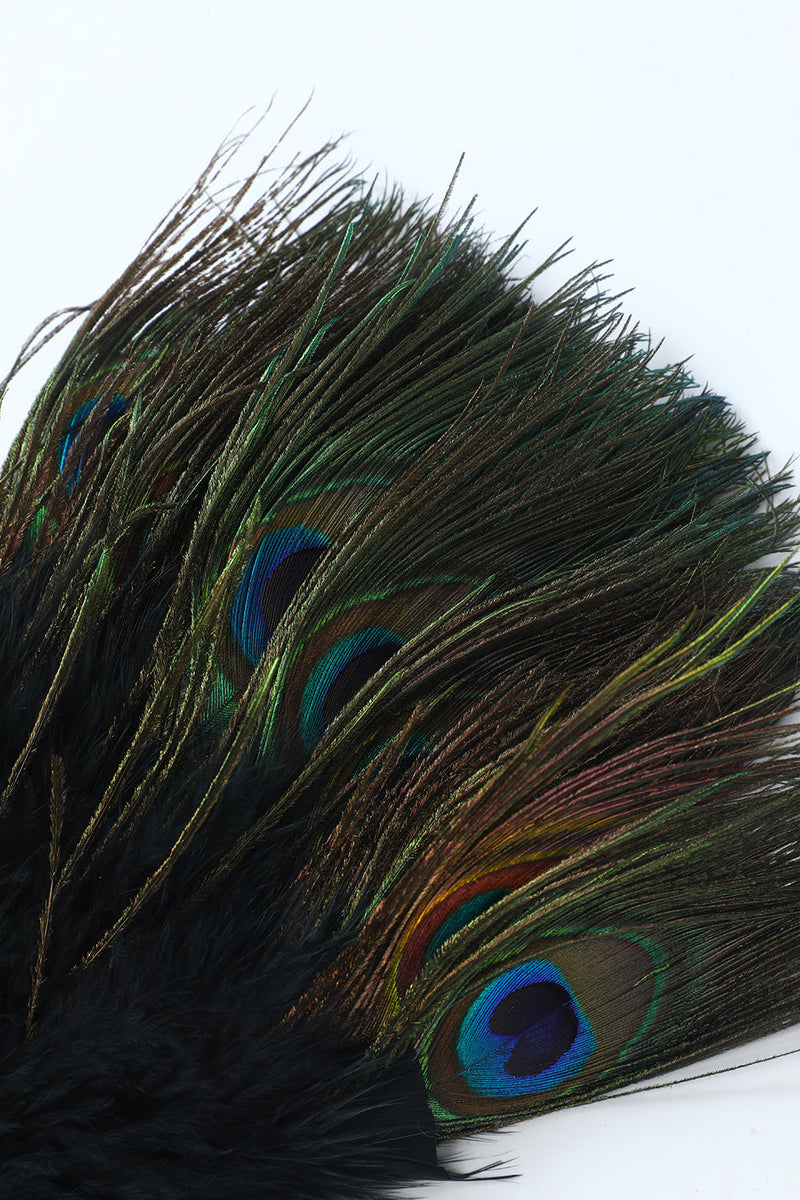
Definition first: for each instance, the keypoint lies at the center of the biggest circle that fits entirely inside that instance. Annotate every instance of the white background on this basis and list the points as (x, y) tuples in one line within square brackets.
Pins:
[(662, 136)]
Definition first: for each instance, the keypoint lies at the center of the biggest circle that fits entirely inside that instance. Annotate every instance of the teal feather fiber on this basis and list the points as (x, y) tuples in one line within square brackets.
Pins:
[(397, 669)]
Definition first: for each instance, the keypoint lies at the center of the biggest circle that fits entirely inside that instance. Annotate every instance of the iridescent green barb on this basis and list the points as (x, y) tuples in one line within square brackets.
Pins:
[(393, 739)]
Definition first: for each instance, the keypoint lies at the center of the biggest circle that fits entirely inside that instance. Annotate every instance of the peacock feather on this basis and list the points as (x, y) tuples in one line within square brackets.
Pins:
[(395, 667)]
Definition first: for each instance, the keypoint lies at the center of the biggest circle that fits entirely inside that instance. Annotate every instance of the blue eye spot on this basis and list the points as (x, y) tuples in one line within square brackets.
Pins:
[(525, 1033), (274, 573), (73, 429), (115, 409), (543, 1020), (340, 674)]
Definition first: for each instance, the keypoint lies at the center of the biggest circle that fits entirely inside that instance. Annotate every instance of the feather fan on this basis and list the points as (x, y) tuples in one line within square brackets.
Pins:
[(395, 666)]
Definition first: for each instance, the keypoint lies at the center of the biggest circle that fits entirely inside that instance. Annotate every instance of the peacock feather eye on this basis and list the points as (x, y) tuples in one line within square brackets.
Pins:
[(543, 1019), (526, 1032), (73, 430), (341, 672), (551, 1022), (117, 406), (280, 565)]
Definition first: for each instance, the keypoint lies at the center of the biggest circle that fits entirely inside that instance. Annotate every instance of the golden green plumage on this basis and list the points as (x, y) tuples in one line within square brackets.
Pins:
[(396, 691)]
